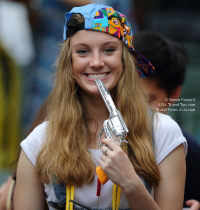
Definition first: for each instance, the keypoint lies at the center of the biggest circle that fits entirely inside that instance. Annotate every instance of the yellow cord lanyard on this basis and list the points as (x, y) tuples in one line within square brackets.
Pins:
[(116, 193), (69, 196)]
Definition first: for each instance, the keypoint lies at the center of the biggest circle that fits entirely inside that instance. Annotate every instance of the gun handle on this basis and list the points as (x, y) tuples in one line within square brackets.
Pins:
[(101, 175)]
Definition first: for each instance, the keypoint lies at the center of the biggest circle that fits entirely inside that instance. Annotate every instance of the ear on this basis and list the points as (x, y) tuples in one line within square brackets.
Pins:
[(176, 93)]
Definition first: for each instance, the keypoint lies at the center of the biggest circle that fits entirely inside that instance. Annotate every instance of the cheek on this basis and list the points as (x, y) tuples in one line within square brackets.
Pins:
[(159, 102), (77, 65), (117, 64), (121, 68), (74, 63), (155, 103)]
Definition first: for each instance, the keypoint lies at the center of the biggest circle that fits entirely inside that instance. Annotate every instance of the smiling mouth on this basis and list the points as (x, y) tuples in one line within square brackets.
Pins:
[(97, 75)]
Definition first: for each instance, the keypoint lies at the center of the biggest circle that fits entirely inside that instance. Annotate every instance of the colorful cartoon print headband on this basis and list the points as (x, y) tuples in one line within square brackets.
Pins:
[(106, 19)]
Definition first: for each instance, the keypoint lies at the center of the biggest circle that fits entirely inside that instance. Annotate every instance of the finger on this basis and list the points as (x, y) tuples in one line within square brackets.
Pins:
[(105, 150), (195, 206), (193, 203), (102, 165), (110, 143), (103, 158)]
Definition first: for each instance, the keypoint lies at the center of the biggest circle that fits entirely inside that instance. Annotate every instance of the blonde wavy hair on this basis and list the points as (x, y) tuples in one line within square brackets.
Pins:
[(65, 157)]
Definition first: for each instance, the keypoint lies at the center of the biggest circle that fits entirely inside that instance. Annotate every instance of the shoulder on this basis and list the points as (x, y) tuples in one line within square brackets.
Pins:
[(164, 123), (38, 133), (31, 145), (167, 135)]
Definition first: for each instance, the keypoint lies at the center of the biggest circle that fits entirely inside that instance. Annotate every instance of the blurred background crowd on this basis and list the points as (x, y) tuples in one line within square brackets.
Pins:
[(30, 34)]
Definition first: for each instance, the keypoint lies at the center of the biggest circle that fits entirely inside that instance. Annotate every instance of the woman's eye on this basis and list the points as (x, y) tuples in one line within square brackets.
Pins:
[(109, 50), (82, 52)]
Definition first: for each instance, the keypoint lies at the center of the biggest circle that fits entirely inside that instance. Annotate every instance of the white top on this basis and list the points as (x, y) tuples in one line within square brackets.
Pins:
[(167, 136)]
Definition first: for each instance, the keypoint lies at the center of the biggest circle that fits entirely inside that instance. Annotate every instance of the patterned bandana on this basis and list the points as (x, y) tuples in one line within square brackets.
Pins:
[(109, 21), (106, 19)]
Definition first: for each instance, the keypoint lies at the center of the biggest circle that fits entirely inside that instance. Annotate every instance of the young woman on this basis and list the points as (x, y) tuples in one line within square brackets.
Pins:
[(59, 157)]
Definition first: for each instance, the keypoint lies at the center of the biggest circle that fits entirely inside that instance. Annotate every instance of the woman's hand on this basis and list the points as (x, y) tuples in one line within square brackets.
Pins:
[(4, 189), (120, 170), (194, 204), (117, 165)]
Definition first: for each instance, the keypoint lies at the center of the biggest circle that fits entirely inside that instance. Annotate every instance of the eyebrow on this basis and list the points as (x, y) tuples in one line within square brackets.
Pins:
[(84, 44)]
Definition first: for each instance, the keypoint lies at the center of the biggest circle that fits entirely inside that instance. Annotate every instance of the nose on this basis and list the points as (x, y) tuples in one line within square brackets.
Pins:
[(97, 61)]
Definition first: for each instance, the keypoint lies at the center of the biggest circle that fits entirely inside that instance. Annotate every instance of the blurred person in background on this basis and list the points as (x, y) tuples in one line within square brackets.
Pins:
[(170, 60), (10, 93), (16, 53)]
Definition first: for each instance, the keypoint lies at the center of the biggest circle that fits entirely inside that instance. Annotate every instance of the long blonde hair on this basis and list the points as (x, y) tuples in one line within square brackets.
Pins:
[(64, 156)]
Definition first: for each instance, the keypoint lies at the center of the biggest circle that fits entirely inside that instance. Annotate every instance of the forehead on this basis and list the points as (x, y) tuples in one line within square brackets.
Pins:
[(90, 36)]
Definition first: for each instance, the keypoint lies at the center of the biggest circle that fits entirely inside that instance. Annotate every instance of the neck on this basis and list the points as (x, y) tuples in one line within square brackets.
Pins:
[(96, 113), (94, 107)]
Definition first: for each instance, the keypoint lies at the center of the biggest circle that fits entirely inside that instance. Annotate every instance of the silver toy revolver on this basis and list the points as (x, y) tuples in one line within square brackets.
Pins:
[(114, 127)]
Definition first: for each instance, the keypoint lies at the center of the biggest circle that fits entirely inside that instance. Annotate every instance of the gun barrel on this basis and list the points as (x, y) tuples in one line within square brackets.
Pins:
[(106, 97)]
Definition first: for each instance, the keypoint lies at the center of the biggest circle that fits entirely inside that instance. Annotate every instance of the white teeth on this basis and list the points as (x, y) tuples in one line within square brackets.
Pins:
[(96, 75)]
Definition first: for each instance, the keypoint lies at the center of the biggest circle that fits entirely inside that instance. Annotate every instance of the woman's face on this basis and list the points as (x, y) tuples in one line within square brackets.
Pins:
[(96, 55)]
